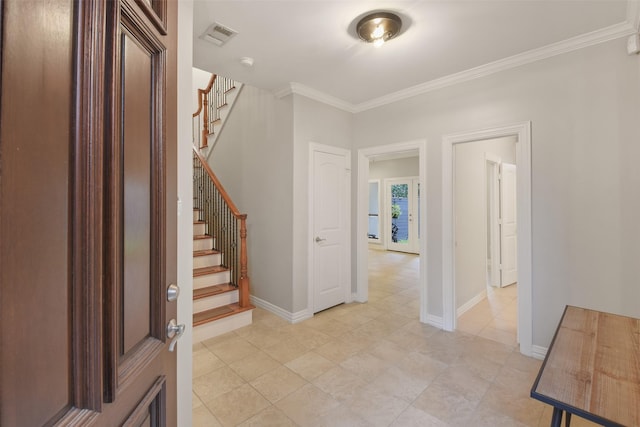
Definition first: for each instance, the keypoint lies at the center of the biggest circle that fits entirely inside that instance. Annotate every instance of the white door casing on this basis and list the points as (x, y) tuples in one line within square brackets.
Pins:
[(508, 225), (329, 216), (493, 221), (362, 286), (524, 260)]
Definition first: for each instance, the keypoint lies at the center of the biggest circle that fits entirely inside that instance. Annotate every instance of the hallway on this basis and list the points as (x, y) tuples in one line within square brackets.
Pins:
[(363, 365)]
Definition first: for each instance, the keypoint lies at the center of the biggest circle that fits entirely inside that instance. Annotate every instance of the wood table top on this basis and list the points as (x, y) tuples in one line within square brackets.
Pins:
[(592, 368)]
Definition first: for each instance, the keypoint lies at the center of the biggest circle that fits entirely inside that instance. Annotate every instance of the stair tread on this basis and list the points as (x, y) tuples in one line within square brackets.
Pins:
[(198, 222), (210, 291), (208, 270), (218, 313), (206, 252), (201, 236)]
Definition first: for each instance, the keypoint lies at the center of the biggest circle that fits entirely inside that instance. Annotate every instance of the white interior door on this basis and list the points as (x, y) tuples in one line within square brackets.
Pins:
[(402, 214), (330, 254), (493, 218), (508, 235)]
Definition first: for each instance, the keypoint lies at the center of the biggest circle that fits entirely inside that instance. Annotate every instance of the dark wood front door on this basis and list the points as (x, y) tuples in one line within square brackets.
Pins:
[(87, 212)]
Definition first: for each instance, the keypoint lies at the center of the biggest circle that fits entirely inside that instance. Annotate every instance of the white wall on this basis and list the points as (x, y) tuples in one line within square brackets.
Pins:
[(470, 213), (261, 159), (396, 168), (253, 158), (185, 219), (584, 108), (322, 124)]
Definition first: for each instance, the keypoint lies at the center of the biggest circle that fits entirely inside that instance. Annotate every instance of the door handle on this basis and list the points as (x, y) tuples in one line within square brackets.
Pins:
[(318, 239), (174, 332), (173, 291)]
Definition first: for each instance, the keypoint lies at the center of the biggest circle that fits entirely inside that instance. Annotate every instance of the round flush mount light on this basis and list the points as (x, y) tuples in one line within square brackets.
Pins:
[(379, 27)]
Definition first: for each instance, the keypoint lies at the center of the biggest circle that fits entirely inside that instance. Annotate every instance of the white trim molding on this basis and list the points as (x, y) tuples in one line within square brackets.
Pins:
[(633, 14), (623, 29), (296, 317), (362, 218), (435, 321), (471, 303), (539, 352), (523, 160), (316, 95), (612, 32)]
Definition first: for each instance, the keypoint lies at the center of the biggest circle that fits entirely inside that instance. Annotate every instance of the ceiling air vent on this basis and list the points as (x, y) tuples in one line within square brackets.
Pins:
[(218, 34)]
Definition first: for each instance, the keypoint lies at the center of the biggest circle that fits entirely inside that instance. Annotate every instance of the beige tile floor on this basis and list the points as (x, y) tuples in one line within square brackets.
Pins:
[(495, 317), (370, 364)]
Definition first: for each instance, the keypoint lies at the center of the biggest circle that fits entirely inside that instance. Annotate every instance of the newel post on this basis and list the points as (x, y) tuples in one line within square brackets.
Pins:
[(205, 119), (244, 275)]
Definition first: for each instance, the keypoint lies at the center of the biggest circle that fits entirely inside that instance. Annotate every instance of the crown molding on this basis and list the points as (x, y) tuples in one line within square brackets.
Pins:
[(633, 14), (606, 34), (316, 95), (579, 42)]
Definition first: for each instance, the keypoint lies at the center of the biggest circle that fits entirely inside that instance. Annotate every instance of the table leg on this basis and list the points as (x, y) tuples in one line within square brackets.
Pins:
[(556, 419)]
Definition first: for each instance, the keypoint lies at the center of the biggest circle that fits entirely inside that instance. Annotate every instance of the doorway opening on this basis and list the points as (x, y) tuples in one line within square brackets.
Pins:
[(365, 156), (485, 238), (452, 276)]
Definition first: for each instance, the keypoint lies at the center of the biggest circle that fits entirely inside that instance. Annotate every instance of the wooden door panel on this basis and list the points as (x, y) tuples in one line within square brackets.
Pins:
[(136, 143), (138, 225), (150, 412), (34, 200), (329, 206), (87, 209)]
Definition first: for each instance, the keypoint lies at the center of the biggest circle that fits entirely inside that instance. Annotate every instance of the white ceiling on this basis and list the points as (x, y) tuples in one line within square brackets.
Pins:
[(312, 43)]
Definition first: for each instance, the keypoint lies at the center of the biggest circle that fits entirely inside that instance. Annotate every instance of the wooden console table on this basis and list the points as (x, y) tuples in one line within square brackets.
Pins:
[(592, 369)]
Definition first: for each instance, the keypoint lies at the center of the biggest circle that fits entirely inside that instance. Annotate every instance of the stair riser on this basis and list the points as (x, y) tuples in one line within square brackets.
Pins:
[(202, 244), (203, 304), (206, 260), (196, 215), (211, 279), (221, 326), (199, 229)]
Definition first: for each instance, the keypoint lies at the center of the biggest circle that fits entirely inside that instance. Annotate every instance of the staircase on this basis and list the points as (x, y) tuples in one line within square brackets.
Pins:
[(215, 102), (220, 280), (216, 307)]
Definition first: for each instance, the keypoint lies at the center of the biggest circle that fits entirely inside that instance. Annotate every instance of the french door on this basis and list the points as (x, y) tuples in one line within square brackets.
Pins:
[(402, 204)]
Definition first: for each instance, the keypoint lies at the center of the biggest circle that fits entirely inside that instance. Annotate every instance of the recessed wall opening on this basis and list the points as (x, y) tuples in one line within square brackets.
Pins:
[(453, 276), (372, 233)]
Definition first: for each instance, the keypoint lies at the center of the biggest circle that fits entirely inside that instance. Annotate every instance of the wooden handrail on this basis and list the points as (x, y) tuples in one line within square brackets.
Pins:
[(243, 280), (210, 101), (202, 92), (203, 99), (216, 182)]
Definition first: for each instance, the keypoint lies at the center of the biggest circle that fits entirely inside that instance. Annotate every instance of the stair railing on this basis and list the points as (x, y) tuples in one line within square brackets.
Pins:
[(224, 222), (210, 101)]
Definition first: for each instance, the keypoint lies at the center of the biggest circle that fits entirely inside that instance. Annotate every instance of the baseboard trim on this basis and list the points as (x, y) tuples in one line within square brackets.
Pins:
[(472, 302), (296, 317), (539, 352), (435, 321), (301, 315)]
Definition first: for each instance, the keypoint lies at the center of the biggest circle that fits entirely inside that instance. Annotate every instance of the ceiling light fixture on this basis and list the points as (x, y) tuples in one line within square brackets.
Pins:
[(379, 27)]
